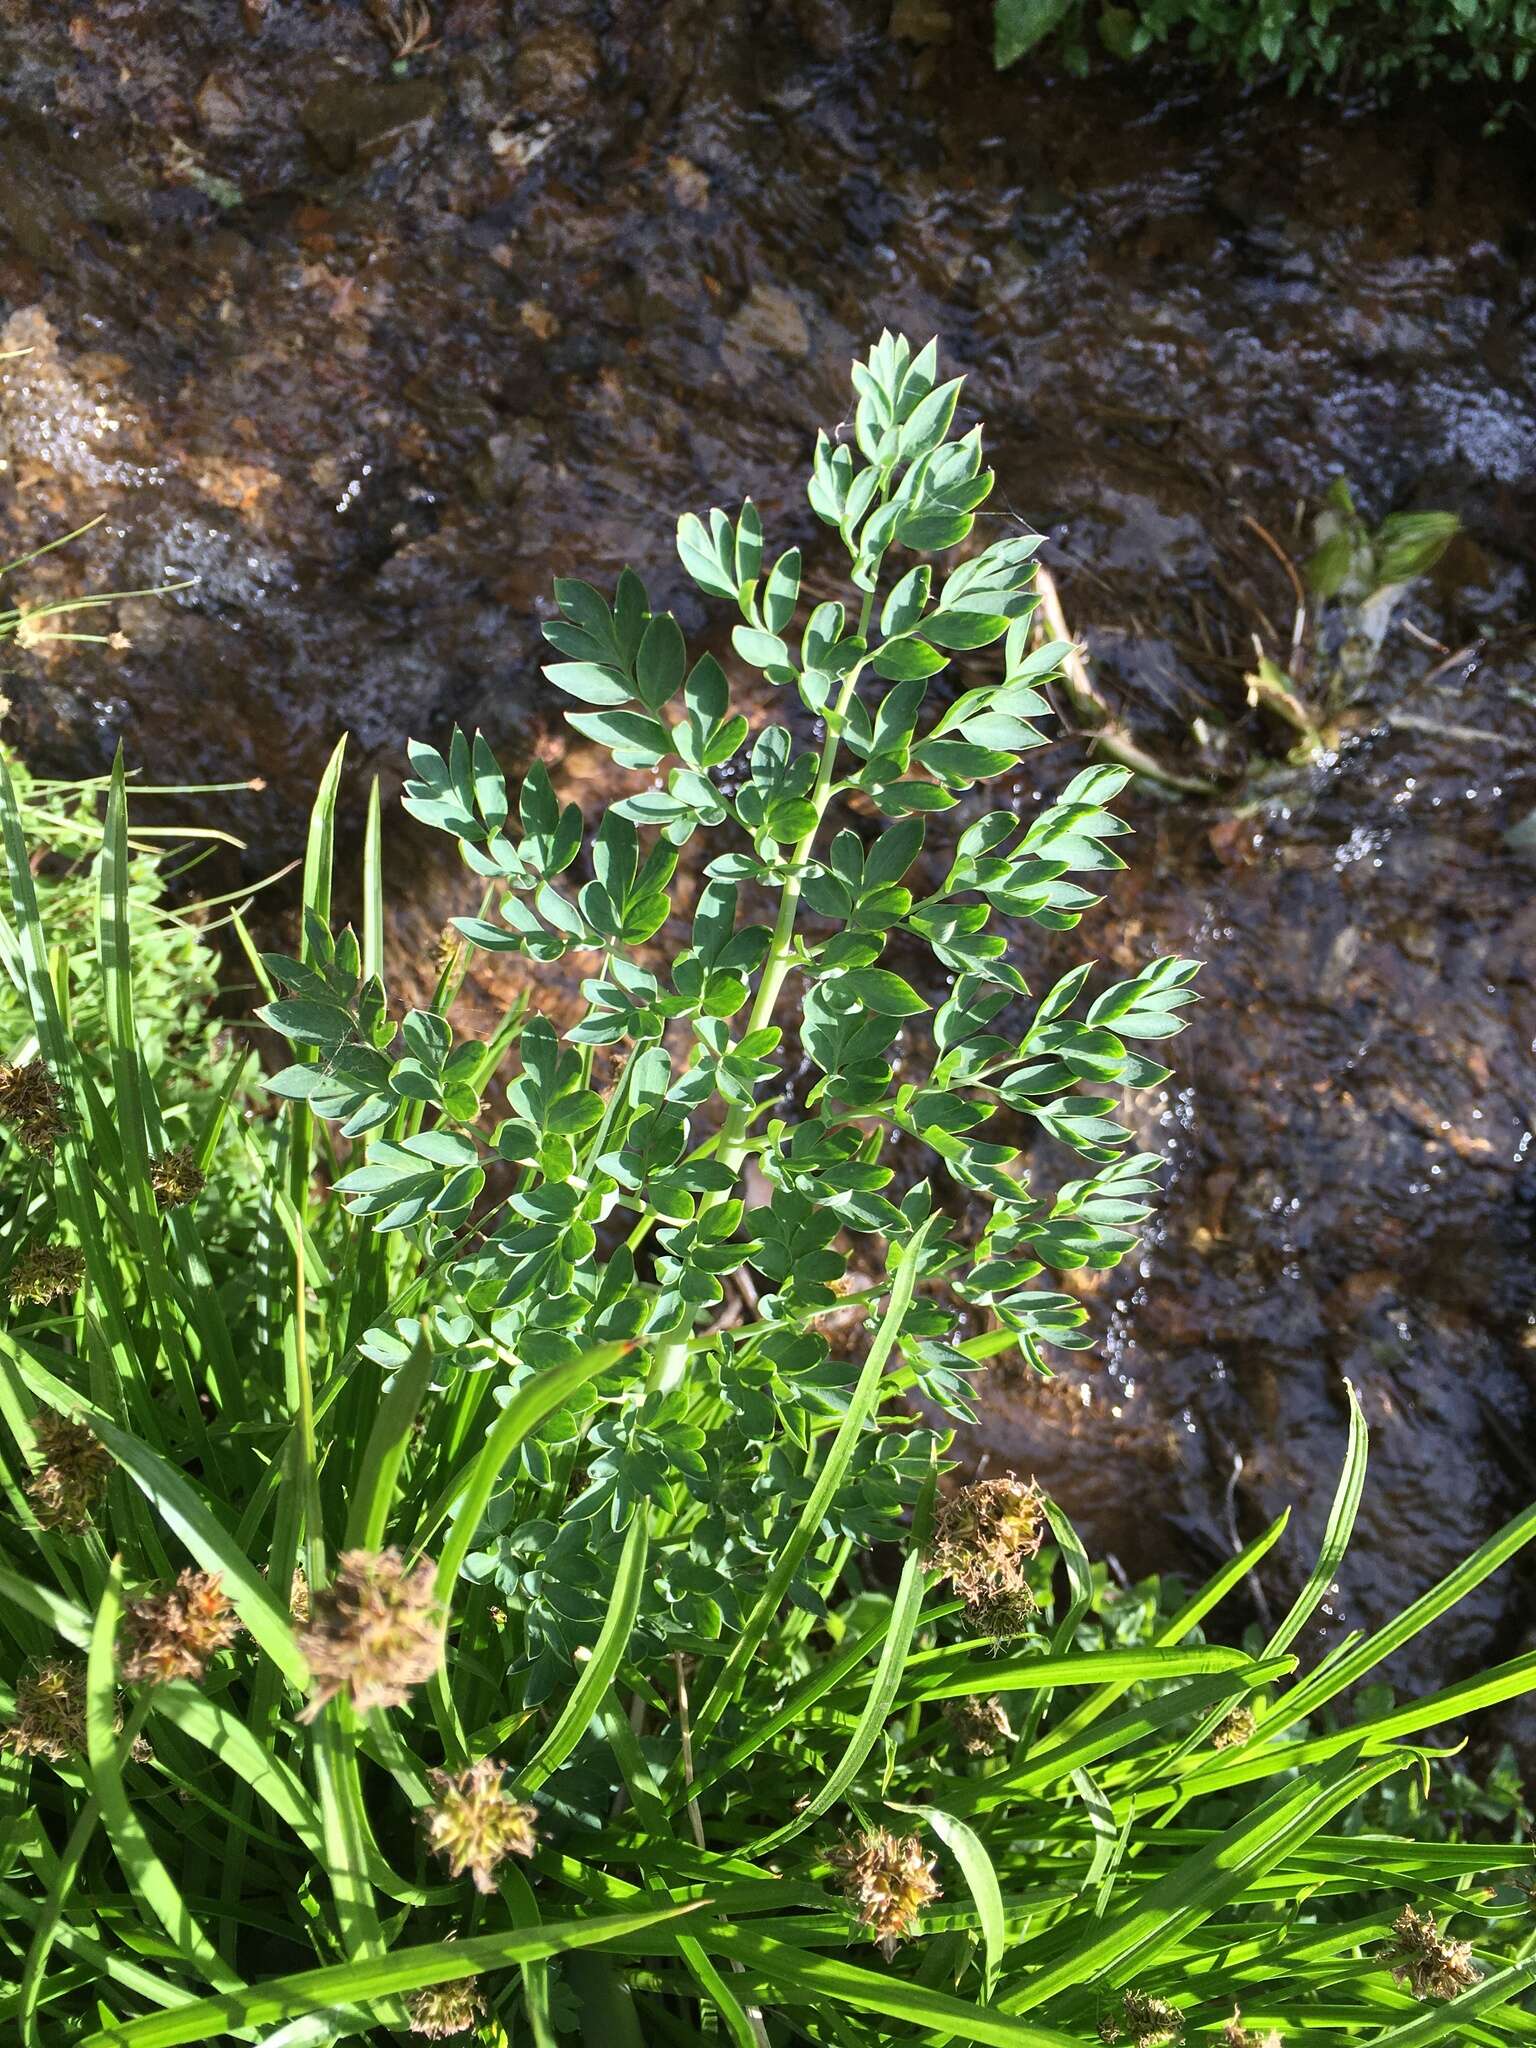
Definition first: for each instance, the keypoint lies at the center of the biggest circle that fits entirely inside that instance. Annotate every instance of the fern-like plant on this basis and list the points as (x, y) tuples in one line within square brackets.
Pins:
[(623, 1212)]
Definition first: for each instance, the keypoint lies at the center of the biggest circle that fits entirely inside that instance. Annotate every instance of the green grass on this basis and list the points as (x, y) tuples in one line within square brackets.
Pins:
[(208, 1866), (1307, 42)]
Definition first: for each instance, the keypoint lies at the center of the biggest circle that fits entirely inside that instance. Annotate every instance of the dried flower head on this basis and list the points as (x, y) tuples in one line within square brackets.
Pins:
[(29, 1102), (176, 1178), (980, 1726), (44, 1273), (444, 2009), (888, 1879), (375, 1631), (1002, 1615), (1144, 2021), (173, 1633), (50, 1713), (1235, 2035), (1238, 1728), (476, 1822), (1425, 1961), (983, 1538), (73, 1476)]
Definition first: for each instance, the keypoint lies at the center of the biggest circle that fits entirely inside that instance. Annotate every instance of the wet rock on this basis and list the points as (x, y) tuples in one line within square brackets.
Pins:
[(554, 67), (829, 27), (220, 105), (921, 21), (349, 119), (539, 320), (57, 416), (690, 185), (770, 318), (496, 474)]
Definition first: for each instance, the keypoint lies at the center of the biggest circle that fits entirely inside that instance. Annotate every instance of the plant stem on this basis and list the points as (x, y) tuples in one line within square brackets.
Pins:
[(671, 1358)]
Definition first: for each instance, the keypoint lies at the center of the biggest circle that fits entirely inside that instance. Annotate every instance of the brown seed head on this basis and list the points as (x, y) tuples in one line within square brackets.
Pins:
[(1003, 1614), (50, 1713), (1425, 1961), (73, 1476), (888, 1879), (29, 1102), (176, 1178), (980, 1726), (44, 1273), (476, 1822), (173, 1633), (444, 2009), (983, 1538), (1237, 1729), (1144, 2021), (374, 1632)]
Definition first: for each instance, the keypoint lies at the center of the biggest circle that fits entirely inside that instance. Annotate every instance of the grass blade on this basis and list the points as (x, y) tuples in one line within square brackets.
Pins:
[(1341, 1526), (367, 1983), (976, 1867), (597, 1675), (1495, 1990), (952, 1673), (776, 1966), (883, 1688), (146, 1874), (907, 1259), (184, 1510), (1173, 1905)]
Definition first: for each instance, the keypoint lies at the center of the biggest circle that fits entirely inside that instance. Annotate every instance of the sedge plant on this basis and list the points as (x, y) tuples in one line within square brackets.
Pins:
[(510, 1593)]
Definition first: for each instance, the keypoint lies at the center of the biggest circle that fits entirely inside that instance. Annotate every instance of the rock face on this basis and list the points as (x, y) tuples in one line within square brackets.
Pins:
[(62, 423), (369, 347)]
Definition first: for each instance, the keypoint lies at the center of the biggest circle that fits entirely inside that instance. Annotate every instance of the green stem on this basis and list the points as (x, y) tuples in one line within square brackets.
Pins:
[(671, 1357)]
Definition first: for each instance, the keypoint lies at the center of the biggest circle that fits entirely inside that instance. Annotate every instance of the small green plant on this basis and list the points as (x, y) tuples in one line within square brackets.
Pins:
[(1304, 41), (195, 1072), (699, 1083), (465, 1618), (1355, 563), (1359, 576), (175, 960)]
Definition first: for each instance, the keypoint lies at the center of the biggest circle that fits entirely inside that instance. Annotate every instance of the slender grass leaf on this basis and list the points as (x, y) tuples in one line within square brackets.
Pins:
[(776, 1967), (958, 1672), (1448, 2021), (597, 1675), (907, 1260), (366, 1983), (883, 1687), (184, 1510), (1341, 1526), (146, 1874), (976, 1867)]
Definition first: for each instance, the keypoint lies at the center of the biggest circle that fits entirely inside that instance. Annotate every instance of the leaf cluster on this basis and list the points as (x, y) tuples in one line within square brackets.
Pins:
[(1308, 42), (596, 1344)]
